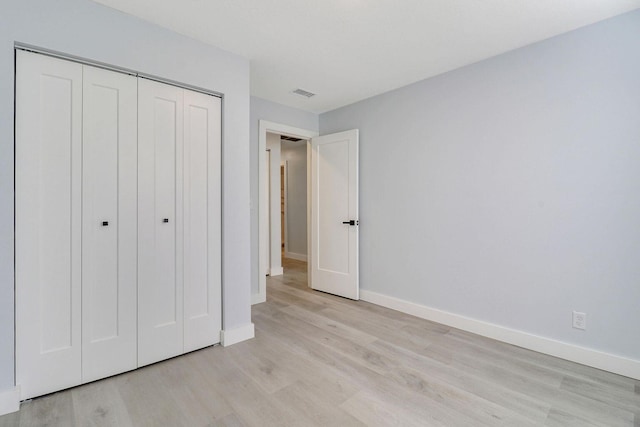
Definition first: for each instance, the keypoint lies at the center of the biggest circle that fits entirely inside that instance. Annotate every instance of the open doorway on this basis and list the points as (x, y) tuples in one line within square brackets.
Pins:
[(332, 209), (286, 201), (293, 177), (292, 154)]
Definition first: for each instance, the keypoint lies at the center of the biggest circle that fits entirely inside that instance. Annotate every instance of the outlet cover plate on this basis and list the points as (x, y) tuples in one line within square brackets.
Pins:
[(579, 320)]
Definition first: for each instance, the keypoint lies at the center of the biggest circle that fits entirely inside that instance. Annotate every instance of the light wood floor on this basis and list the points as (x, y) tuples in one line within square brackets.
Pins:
[(322, 360)]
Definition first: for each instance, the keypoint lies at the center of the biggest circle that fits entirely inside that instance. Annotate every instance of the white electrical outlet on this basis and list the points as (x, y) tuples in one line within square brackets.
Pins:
[(579, 320)]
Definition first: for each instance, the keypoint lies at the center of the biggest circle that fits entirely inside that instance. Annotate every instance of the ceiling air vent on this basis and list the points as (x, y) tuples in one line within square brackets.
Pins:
[(289, 138), (303, 92)]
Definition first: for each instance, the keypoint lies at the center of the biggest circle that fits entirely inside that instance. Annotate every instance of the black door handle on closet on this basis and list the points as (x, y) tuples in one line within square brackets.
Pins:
[(351, 222), (165, 220), (105, 223)]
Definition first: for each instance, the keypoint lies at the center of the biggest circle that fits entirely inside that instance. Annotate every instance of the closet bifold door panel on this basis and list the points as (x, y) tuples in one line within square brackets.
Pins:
[(109, 217), (160, 224), (48, 160), (117, 222), (202, 220)]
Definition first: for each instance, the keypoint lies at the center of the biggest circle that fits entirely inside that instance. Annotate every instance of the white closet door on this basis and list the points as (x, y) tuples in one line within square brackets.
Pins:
[(48, 223), (160, 290), (202, 239), (109, 200)]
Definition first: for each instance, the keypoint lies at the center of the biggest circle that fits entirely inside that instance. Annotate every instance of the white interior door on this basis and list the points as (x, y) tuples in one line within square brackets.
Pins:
[(202, 221), (160, 286), (334, 214), (109, 198), (48, 223)]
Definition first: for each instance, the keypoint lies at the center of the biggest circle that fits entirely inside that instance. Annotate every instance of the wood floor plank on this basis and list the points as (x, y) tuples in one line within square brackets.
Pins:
[(147, 399), (559, 418), (231, 420), (523, 404), (462, 349), (562, 366), (378, 328), (268, 374), (199, 403), (251, 404), (99, 404), (318, 354), (54, 410), (369, 377), (10, 420), (378, 411), (317, 409), (322, 322), (553, 395), (616, 398)]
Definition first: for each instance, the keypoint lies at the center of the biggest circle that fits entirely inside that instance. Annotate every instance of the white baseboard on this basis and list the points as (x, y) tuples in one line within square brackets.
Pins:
[(279, 271), (233, 336), (293, 255), (258, 298), (585, 356), (10, 400)]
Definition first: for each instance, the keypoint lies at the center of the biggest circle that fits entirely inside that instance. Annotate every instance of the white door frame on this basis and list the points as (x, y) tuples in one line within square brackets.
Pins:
[(263, 205), (285, 220)]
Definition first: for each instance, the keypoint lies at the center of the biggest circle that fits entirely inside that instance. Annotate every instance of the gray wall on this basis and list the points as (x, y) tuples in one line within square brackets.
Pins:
[(265, 110), (86, 29), (295, 154), (509, 191)]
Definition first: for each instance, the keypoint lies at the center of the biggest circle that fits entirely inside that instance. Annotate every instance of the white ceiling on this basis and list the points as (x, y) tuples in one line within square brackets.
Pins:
[(348, 50)]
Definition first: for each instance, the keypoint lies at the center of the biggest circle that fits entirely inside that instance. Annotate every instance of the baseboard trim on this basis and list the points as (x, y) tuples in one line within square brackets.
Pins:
[(258, 298), (297, 257), (233, 336), (585, 356), (10, 400), (276, 271)]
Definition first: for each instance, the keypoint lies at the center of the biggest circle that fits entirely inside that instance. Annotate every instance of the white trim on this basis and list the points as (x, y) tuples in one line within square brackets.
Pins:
[(263, 228), (266, 255), (309, 213), (293, 255), (273, 203), (585, 356), (122, 70), (233, 336), (285, 183), (279, 271), (258, 299), (10, 400)]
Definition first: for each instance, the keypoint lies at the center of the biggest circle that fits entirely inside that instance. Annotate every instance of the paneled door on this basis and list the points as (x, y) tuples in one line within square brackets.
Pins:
[(118, 222), (334, 214), (160, 222), (48, 223), (202, 220), (109, 209)]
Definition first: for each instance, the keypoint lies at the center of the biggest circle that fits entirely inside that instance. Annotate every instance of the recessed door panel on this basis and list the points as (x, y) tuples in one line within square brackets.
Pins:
[(48, 223), (333, 201), (160, 292), (202, 240), (164, 145), (109, 223)]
